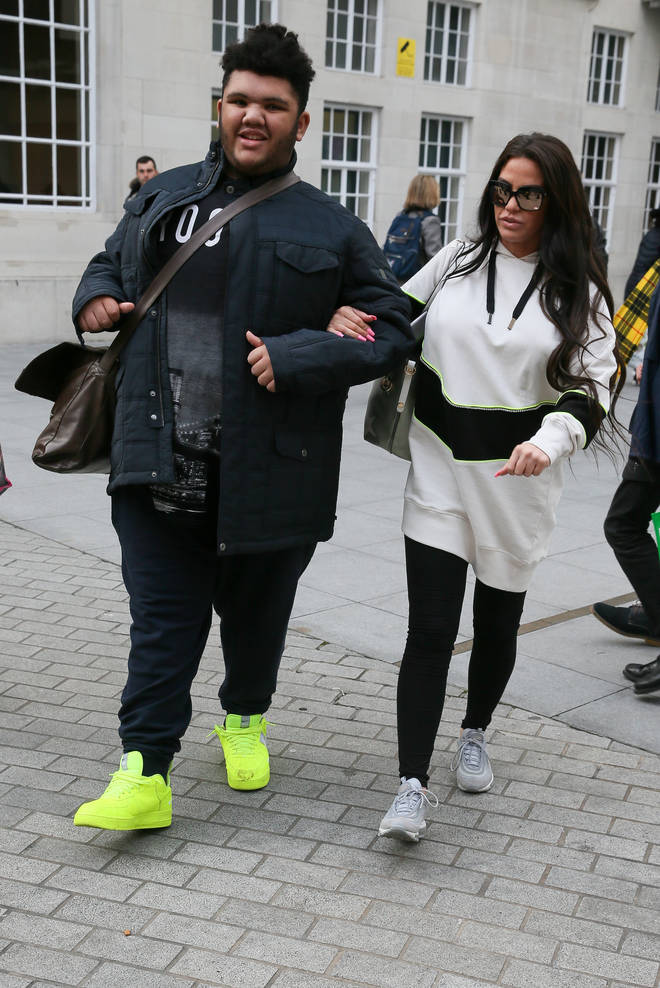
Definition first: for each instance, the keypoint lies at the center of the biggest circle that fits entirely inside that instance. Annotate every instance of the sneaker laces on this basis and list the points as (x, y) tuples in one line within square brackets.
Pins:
[(470, 751), (407, 803), (123, 783), (241, 742)]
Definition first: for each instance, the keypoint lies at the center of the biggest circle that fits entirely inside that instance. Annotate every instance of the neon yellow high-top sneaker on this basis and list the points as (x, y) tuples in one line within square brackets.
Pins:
[(132, 801), (243, 741)]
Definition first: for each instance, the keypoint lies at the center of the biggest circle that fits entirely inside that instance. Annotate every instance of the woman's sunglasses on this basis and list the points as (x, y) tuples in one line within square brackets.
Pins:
[(528, 197)]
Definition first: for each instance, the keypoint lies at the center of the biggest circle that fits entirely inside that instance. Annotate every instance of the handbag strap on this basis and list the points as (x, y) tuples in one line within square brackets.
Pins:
[(418, 325), (435, 291), (184, 253)]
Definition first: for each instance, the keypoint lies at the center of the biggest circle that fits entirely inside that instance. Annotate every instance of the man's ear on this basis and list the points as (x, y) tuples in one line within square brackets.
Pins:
[(303, 124), (219, 104)]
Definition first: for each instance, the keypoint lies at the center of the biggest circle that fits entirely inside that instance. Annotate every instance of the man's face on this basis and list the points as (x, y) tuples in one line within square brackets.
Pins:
[(145, 171), (259, 122)]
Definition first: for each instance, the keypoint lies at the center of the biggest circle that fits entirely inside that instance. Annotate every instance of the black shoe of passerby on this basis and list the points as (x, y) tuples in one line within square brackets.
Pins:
[(629, 621), (650, 681), (635, 671)]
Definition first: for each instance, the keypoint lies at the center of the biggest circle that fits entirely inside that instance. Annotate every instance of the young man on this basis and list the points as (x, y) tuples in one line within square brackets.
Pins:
[(145, 168), (227, 441)]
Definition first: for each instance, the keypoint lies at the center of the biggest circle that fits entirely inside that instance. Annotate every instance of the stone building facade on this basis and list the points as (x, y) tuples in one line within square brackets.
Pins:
[(422, 85)]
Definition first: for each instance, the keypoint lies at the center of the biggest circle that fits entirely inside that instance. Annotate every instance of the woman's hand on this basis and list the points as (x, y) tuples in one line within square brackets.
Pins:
[(348, 321), (526, 460)]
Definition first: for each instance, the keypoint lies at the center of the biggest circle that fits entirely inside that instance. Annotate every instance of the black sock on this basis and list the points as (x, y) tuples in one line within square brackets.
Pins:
[(154, 764)]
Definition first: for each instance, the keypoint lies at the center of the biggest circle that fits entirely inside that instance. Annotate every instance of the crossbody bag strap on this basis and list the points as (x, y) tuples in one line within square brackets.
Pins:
[(185, 252), (418, 325)]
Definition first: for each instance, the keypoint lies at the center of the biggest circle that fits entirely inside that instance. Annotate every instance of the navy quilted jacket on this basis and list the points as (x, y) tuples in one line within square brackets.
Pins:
[(293, 259)]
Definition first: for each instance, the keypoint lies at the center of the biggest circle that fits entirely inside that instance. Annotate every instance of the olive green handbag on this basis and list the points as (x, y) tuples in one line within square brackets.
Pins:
[(392, 398)]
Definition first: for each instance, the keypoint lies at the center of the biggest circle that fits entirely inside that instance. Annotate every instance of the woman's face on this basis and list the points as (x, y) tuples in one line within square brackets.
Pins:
[(519, 229)]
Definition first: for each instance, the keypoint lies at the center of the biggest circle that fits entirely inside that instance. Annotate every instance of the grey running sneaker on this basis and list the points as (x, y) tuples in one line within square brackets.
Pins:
[(471, 762), (405, 817)]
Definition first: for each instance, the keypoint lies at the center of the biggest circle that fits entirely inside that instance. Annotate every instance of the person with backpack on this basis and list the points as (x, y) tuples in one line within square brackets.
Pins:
[(415, 234)]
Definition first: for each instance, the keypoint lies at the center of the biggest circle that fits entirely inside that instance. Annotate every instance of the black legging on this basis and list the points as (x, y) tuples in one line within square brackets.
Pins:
[(436, 587)]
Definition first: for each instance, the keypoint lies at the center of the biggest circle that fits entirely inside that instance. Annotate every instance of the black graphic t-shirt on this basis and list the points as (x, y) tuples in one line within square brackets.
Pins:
[(195, 303)]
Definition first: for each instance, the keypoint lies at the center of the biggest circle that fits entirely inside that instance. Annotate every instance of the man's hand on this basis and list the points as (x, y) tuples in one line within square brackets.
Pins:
[(259, 360), (349, 321), (638, 374), (526, 460), (102, 313)]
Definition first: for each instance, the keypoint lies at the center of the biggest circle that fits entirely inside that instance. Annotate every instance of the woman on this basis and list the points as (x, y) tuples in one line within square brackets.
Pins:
[(518, 362), (415, 234)]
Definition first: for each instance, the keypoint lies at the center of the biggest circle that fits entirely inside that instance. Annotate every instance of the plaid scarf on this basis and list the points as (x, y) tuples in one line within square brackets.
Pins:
[(631, 319), (4, 481)]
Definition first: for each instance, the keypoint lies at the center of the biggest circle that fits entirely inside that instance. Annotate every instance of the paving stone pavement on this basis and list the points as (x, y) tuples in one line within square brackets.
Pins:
[(551, 880), (354, 591)]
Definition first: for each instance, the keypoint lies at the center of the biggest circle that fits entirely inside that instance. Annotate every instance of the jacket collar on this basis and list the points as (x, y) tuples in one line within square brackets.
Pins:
[(244, 182), (198, 176)]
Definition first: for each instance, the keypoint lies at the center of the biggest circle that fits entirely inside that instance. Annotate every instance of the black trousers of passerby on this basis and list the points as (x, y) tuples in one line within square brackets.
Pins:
[(436, 588), (626, 530), (175, 579)]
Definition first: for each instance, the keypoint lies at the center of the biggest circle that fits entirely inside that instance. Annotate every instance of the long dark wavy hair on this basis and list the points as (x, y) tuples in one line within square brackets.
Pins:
[(570, 264)]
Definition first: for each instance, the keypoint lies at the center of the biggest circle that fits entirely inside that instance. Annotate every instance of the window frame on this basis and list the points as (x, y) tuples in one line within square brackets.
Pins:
[(592, 185), (216, 94), (349, 40), (450, 230), (652, 199), (344, 165), (86, 90), (240, 24), (430, 32), (602, 83)]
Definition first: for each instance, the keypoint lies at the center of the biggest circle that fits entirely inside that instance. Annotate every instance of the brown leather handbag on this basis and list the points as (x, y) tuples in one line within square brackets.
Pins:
[(5, 482), (80, 379)]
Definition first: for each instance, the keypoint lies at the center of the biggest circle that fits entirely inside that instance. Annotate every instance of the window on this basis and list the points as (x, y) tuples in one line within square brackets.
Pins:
[(231, 19), (599, 159), (653, 186), (443, 154), (352, 29), (348, 171), (448, 43), (607, 68), (46, 110)]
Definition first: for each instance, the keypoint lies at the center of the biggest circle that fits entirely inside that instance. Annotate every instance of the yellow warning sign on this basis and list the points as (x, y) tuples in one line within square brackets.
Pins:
[(405, 57)]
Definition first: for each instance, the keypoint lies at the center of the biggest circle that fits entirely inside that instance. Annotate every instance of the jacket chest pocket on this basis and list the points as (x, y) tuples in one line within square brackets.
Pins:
[(306, 282)]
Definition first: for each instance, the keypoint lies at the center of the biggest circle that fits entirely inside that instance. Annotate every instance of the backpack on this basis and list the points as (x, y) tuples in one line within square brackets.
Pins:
[(403, 242)]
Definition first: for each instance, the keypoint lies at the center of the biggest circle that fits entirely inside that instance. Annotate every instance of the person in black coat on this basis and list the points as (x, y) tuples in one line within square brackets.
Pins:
[(627, 521), (227, 438), (648, 252)]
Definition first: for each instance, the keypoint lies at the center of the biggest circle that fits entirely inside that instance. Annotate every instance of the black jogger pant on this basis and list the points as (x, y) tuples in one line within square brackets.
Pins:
[(436, 588), (175, 579), (626, 530)]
